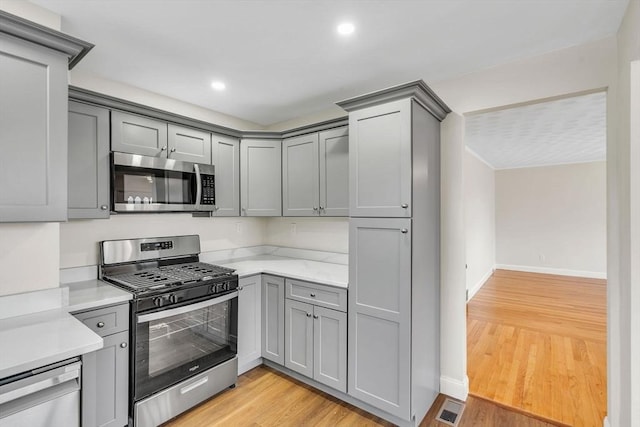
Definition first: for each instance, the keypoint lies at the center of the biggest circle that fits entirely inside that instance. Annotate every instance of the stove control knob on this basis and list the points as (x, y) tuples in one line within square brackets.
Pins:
[(213, 289), (173, 298), (158, 301)]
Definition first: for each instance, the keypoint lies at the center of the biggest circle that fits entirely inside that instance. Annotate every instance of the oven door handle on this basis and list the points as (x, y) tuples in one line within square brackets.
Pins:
[(185, 309)]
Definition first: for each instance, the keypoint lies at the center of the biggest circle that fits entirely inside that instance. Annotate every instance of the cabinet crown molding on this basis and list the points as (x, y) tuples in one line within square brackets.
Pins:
[(29, 31), (417, 90)]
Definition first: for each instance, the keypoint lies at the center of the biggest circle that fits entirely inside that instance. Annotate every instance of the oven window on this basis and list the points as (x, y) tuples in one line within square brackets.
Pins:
[(181, 339), (175, 347)]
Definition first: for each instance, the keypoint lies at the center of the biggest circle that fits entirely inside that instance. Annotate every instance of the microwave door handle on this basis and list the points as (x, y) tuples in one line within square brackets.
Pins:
[(198, 186)]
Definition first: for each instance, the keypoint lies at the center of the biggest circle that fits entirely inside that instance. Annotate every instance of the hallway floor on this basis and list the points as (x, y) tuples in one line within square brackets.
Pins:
[(537, 343)]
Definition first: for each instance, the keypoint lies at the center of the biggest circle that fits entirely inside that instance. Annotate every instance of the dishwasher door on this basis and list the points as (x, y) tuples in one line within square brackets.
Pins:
[(44, 397)]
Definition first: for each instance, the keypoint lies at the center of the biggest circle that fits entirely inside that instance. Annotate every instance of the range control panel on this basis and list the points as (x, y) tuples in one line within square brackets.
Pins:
[(156, 246)]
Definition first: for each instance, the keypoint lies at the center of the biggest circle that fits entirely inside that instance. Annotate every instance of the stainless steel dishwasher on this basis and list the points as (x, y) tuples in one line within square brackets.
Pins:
[(43, 397)]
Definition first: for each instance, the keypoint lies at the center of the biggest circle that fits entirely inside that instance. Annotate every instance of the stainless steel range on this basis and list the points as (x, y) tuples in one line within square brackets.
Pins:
[(184, 323)]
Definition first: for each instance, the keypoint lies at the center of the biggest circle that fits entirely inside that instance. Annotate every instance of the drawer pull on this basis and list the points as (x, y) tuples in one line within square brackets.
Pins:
[(123, 345), (100, 324), (315, 316), (313, 295)]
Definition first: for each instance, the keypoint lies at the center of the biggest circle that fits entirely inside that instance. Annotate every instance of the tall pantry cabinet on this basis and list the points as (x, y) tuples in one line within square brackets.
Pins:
[(394, 250)]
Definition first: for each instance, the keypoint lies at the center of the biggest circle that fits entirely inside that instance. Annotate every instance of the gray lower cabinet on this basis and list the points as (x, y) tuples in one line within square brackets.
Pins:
[(316, 343), (105, 372), (316, 336), (88, 167), (260, 177), (249, 322), (315, 174), (273, 318), (380, 313), (225, 155), (33, 132)]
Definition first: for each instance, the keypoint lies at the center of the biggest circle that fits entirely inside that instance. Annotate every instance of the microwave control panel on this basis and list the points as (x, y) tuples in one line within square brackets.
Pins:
[(208, 196)]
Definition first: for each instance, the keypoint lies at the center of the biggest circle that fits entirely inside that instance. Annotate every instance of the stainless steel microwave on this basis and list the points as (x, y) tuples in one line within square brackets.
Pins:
[(153, 184)]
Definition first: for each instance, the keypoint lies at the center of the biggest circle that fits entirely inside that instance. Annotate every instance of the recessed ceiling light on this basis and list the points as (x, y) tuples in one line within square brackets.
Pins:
[(217, 85), (346, 28)]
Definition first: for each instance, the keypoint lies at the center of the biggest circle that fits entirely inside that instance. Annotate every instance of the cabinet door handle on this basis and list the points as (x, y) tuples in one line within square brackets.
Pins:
[(404, 231), (308, 314), (404, 206), (173, 150), (104, 207), (100, 324), (315, 316), (123, 345), (240, 288), (312, 295), (163, 149), (315, 208), (321, 208)]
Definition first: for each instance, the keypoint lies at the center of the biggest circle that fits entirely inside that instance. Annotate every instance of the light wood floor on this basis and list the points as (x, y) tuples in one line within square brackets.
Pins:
[(537, 342), (264, 397)]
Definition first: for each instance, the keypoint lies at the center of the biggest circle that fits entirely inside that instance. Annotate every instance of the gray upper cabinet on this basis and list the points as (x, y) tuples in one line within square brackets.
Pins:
[(273, 318), (334, 172), (138, 135), (380, 313), (190, 145), (380, 160), (225, 153), (88, 167), (33, 132), (260, 177), (300, 176), (315, 174)]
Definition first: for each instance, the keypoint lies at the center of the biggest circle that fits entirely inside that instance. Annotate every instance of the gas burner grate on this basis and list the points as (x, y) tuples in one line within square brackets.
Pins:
[(167, 275)]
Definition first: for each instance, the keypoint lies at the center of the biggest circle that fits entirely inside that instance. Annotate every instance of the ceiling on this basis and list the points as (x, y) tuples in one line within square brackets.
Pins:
[(569, 130), (282, 59)]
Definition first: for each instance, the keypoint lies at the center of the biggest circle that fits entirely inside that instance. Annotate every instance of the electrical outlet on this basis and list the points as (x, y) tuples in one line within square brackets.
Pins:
[(238, 227), (294, 228), (542, 257)]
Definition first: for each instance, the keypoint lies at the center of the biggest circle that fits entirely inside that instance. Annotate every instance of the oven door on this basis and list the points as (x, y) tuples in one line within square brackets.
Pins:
[(177, 343)]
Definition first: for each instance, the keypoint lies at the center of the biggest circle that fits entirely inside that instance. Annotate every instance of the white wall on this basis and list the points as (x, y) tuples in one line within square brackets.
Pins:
[(79, 238), (480, 220), (323, 234), (552, 219), (623, 271)]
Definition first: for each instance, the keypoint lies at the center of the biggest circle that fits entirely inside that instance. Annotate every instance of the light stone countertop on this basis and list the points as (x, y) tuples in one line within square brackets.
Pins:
[(90, 294), (35, 340), (301, 269)]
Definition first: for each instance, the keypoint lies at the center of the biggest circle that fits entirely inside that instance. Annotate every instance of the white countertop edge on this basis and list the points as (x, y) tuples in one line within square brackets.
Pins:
[(289, 275), (57, 334)]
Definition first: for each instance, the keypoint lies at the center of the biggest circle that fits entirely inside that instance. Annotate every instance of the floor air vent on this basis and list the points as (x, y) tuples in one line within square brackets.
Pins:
[(450, 412)]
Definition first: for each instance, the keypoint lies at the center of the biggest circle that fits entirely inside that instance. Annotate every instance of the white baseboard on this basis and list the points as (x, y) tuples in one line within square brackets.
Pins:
[(479, 284), (558, 271), (455, 388), (605, 422)]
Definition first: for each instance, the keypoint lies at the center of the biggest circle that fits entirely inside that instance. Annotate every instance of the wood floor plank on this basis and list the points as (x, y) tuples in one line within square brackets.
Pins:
[(537, 343)]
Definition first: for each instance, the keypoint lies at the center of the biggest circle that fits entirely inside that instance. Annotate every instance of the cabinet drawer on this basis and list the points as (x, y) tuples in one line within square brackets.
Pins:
[(106, 321), (322, 295)]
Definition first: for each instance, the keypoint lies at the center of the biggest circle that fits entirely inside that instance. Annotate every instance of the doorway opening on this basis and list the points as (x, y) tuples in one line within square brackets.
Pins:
[(535, 200)]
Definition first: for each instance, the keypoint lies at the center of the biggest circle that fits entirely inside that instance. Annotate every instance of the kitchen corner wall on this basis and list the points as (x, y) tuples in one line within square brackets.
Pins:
[(322, 234)]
